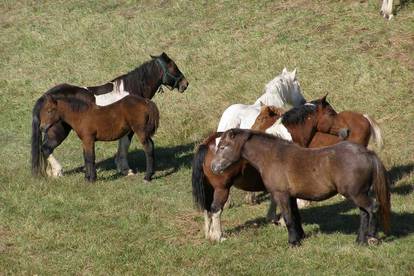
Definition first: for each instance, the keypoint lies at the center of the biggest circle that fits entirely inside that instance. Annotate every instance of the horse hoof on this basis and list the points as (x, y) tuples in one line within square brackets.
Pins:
[(373, 241), (294, 244)]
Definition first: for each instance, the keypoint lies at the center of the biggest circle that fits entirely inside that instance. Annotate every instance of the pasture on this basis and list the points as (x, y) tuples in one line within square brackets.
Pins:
[(228, 51)]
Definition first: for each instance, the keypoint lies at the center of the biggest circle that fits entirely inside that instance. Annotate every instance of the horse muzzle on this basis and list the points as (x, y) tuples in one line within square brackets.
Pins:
[(182, 85)]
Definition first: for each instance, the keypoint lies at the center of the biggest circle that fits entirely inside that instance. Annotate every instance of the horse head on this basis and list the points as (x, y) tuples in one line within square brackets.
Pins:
[(48, 114), (171, 75), (267, 117), (229, 149), (328, 121), (294, 96)]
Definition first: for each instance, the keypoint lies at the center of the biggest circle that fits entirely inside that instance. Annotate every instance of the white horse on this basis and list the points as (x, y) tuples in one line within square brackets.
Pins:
[(283, 90)]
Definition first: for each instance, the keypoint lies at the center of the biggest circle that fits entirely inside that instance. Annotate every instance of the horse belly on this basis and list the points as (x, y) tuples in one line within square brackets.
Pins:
[(111, 132)]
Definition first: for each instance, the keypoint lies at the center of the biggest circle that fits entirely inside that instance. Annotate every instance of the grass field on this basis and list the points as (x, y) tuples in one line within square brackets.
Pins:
[(228, 51)]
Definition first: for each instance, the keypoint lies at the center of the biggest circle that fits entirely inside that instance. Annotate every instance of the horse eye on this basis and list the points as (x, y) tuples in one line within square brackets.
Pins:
[(222, 147)]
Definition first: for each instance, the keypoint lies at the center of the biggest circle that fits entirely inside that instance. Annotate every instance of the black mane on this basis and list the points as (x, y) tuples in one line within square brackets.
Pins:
[(136, 81), (68, 91), (76, 104), (297, 115)]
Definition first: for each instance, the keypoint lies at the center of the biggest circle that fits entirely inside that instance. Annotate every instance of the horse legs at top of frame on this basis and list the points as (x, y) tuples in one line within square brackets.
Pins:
[(386, 9)]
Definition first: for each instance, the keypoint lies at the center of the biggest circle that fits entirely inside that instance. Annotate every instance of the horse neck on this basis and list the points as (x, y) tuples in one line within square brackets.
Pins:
[(302, 133), (66, 113), (255, 150), (147, 85), (273, 95)]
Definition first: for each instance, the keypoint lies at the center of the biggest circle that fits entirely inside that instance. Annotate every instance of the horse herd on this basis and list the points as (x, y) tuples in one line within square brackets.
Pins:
[(307, 153)]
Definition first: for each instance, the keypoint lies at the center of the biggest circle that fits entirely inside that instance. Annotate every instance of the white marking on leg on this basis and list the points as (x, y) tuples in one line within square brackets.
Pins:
[(55, 167), (215, 229), (115, 95), (207, 224)]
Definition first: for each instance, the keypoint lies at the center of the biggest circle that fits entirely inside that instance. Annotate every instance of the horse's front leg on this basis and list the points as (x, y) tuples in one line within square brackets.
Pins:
[(121, 157), (89, 156), (289, 215), (53, 138), (220, 197)]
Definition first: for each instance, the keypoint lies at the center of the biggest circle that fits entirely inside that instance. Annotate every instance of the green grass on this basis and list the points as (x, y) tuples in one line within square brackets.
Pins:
[(228, 51)]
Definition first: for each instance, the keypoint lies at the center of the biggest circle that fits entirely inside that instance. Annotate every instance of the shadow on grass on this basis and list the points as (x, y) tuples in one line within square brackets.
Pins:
[(332, 218), (168, 160), (402, 5)]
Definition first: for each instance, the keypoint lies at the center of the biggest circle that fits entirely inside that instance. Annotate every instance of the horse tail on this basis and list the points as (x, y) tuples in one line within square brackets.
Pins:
[(153, 118), (37, 156), (382, 191), (375, 131), (203, 192)]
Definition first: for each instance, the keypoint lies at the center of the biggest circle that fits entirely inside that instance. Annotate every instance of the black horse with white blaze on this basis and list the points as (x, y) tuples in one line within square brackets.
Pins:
[(143, 81)]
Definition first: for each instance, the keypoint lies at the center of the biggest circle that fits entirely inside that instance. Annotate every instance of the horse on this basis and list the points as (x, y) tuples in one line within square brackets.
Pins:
[(93, 123), (289, 171), (361, 127), (282, 90), (143, 81), (241, 174)]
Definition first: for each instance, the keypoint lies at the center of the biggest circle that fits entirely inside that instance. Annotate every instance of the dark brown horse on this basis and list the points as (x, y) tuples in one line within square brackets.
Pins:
[(289, 172), (302, 121), (94, 123), (143, 81)]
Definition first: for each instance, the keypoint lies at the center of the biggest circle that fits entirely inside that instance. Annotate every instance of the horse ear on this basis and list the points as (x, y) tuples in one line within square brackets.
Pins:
[(284, 71), (294, 74), (323, 99)]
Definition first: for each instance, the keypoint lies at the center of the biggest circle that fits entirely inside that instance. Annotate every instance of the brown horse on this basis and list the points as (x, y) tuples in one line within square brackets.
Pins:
[(289, 172), (94, 123), (143, 81), (302, 120), (361, 127)]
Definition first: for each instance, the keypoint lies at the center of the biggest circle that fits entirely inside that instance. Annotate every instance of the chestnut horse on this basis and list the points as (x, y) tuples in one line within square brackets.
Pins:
[(93, 123), (143, 81), (361, 127), (290, 171), (302, 121)]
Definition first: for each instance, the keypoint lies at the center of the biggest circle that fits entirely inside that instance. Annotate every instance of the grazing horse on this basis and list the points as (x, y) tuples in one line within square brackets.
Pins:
[(361, 127), (282, 90), (241, 174), (290, 171), (143, 81), (93, 123)]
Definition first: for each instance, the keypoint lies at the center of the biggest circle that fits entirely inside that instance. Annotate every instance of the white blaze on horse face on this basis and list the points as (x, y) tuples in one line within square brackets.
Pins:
[(279, 130), (115, 95)]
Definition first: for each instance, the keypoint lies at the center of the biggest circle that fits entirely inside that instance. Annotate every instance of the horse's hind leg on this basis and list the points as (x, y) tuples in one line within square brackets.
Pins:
[(89, 156), (368, 227), (220, 198), (53, 138), (121, 157), (148, 146)]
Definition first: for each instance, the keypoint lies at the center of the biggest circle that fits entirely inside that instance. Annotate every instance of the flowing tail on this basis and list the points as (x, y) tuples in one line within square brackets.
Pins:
[(153, 118), (382, 191), (38, 162), (375, 131), (203, 192)]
